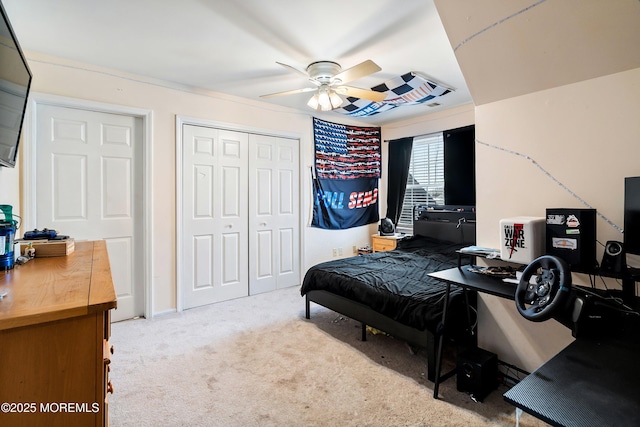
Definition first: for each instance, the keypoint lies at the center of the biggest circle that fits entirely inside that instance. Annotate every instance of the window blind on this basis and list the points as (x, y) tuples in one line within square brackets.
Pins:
[(425, 185)]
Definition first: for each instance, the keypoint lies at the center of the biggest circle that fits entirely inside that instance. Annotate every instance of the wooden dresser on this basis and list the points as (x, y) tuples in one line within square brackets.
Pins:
[(54, 340)]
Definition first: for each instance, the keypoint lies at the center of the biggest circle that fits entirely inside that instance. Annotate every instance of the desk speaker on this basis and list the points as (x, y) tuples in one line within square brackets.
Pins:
[(477, 373), (613, 259)]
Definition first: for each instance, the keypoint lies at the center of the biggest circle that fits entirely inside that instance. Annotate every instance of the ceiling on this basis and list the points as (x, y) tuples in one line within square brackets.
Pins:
[(491, 50), (232, 47), (511, 48)]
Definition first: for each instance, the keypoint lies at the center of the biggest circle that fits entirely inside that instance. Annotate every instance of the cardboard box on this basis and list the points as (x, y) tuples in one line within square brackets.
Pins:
[(522, 239), (49, 248)]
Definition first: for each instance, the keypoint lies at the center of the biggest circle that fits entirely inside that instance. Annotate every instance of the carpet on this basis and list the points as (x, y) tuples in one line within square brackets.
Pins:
[(256, 361)]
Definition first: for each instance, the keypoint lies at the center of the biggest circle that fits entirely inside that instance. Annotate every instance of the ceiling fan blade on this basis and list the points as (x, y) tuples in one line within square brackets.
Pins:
[(289, 92), (357, 71), (294, 69), (355, 92)]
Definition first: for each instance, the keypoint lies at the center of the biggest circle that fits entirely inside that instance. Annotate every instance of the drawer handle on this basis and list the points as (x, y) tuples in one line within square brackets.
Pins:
[(110, 387), (107, 351), (112, 350)]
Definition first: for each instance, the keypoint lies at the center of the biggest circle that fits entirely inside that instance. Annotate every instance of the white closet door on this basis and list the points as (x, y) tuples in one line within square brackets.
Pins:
[(274, 243), (89, 186), (215, 204)]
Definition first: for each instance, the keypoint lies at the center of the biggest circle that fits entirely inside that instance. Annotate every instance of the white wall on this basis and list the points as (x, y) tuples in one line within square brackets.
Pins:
[(10, 188), (584, 135), (81, 81), (435, 122)]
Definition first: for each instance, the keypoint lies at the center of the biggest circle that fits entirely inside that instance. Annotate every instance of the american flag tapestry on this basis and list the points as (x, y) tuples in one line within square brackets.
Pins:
[(347, 171), (408, 89)]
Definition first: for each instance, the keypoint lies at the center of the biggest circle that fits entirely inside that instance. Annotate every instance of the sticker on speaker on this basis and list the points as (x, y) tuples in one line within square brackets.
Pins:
[(555, 219), (572, 221), (564, 243)]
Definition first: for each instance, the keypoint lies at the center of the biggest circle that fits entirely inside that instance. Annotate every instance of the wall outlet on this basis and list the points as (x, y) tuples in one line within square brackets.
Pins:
[(355, 249), (340, 251), (335, 251)]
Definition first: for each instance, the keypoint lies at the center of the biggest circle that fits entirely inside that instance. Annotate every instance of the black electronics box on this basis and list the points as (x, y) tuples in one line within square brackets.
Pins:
[(444, 213), (477, 373), (571, 236)]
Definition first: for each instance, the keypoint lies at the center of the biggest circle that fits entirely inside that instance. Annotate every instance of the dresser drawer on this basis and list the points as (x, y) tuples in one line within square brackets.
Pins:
[(383, 243)]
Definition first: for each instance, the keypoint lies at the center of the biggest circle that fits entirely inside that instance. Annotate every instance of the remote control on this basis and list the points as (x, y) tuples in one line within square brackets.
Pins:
[(40, 234)]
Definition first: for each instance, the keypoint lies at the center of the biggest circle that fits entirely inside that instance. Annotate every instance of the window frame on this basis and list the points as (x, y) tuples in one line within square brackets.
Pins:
[(425, 184)]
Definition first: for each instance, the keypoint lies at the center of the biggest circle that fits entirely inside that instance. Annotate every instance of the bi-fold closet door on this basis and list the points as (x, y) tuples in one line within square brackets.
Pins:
[(240, 214)]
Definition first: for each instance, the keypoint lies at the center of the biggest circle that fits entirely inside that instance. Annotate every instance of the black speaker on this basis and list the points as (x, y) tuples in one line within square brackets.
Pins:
[(613, 260), (386, 227), (477, 372)]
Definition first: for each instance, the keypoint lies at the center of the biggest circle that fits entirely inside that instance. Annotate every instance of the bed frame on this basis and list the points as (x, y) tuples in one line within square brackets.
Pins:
[(462, 231)]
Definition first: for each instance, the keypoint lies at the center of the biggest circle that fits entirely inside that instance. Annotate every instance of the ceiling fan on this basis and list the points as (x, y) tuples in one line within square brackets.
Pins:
[(329, 79)]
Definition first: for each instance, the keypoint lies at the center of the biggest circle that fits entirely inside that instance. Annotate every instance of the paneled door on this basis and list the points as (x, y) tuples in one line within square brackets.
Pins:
[(214, 211), (274, 230), (89, 186)]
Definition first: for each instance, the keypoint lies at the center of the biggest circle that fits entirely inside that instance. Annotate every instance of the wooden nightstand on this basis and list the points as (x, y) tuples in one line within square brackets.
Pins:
[(385, 243)]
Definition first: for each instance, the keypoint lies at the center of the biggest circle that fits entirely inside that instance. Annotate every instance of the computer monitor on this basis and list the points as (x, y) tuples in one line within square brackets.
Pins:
[(632, 215), (631, 233), (632, 218)]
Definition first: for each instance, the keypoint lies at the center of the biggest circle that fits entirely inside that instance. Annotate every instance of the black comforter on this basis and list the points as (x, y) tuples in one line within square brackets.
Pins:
[(394, 283)]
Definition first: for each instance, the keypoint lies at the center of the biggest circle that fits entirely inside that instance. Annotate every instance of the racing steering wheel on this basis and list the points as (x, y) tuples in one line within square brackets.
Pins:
[(539, 301)]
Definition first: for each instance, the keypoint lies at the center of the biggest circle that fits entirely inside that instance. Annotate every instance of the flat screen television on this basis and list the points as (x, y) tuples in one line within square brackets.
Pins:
[(632, 221), (15, 83)]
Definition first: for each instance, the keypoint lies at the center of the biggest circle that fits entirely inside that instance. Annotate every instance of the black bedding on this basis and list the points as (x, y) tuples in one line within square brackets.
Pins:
[(394, 283)]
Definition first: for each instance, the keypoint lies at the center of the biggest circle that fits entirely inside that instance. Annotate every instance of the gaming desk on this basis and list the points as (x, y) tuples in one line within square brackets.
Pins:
[(592, 382), (469, 281), (589, 383)]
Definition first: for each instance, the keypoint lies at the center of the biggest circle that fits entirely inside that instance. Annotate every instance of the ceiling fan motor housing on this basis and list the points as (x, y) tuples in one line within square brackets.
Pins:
[(323, 71)]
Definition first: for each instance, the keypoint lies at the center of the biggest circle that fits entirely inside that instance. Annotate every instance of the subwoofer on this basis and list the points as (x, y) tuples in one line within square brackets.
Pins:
[(613, 259), (477, 372)]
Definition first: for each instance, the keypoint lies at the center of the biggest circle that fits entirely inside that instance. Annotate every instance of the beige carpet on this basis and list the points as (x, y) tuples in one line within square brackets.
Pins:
[(257, 361)]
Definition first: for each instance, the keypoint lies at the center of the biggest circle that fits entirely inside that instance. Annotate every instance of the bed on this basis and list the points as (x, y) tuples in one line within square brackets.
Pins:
[(392, 292)]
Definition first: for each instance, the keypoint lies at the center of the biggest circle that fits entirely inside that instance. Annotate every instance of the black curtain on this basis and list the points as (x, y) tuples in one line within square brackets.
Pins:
[(397, 174)]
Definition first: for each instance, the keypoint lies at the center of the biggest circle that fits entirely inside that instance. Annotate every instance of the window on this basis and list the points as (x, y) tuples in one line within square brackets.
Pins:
[(425, 184)]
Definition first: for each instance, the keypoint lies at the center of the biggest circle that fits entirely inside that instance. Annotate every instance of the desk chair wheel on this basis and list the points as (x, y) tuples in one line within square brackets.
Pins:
[(540, 300)]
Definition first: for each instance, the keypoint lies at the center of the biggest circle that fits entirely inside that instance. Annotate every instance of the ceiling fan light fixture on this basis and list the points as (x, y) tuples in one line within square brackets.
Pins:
[(335, 99), (313, 102), (325, 99), (328, 76)]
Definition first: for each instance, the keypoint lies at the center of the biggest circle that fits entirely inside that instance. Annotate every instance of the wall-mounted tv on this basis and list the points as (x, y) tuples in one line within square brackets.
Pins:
[(15, 82), (632, 221)]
